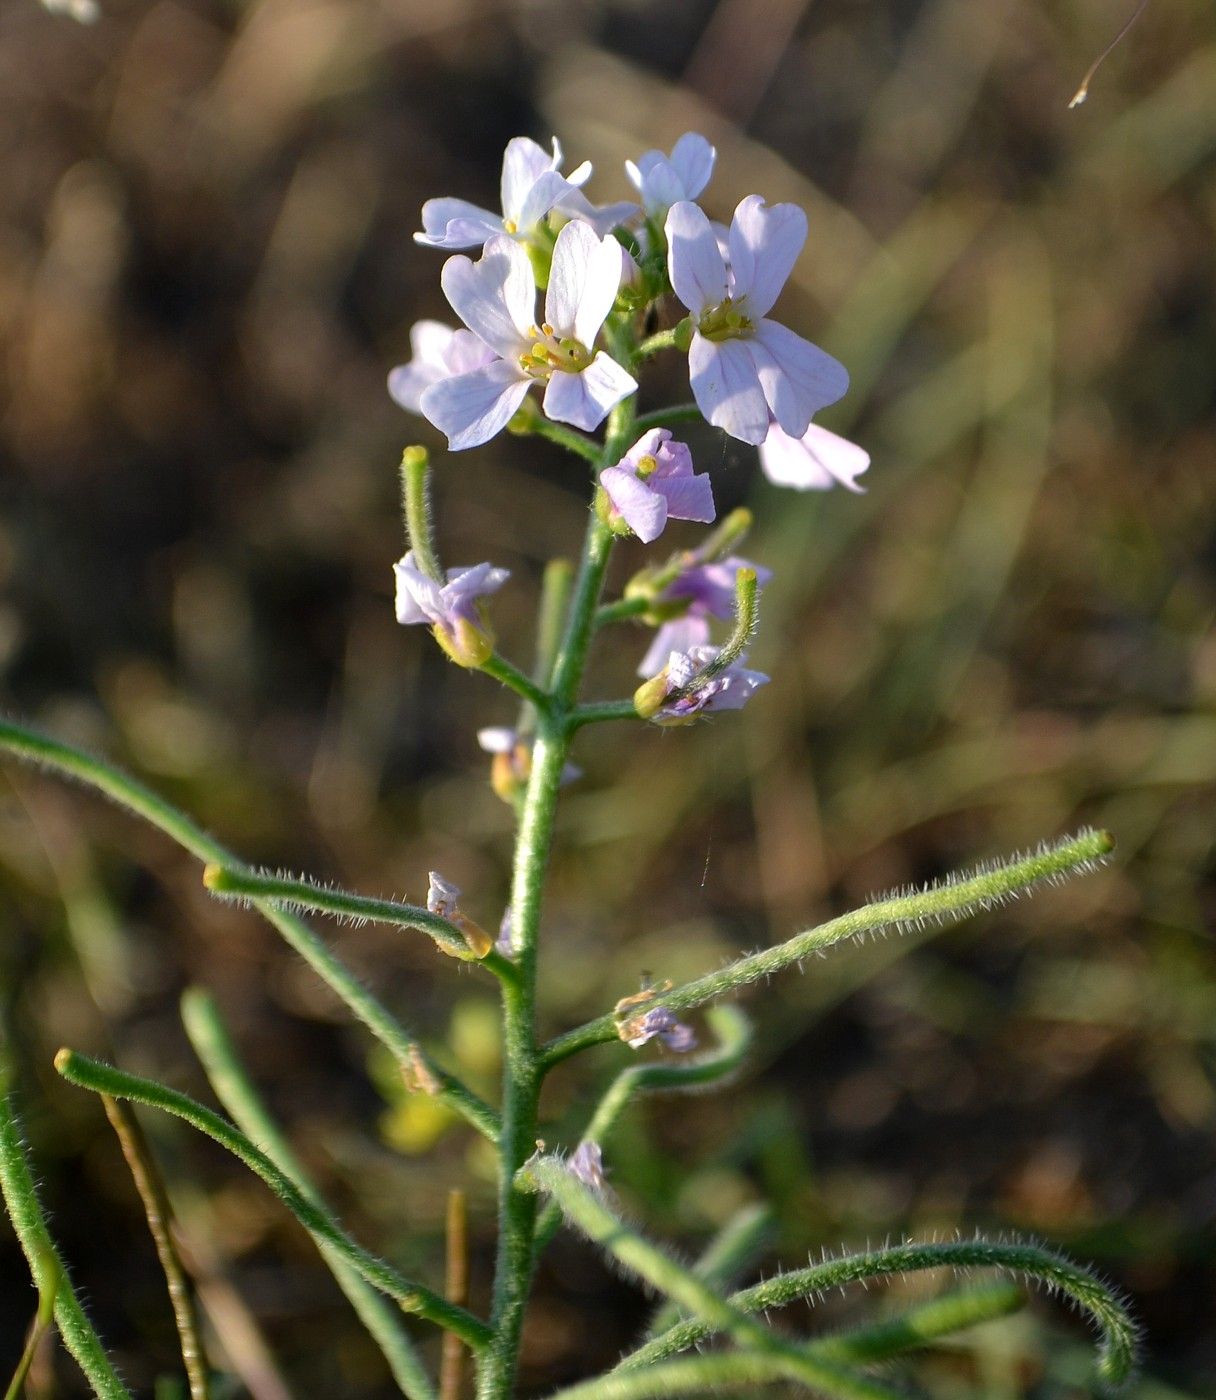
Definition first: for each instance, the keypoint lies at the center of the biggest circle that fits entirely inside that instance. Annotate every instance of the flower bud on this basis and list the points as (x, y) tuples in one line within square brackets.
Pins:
[(648, 698), (466, 643)]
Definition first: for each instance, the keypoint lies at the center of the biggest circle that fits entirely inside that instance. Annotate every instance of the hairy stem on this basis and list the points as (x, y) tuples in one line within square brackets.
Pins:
[(410, 1296), (589, 1213), (1116, 1357), (945, 901), (33, 747), (46, 1265), (228, 1078)]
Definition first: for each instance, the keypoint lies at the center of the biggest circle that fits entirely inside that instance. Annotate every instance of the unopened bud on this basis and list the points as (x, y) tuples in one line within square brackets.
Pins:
[(466, 643), (648, 698)]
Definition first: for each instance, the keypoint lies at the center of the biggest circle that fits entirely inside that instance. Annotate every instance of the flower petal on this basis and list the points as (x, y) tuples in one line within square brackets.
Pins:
[(455, 223), (727, 389), (643, 510), (523, 163), (572, 254), (495, 296), (765, 241), (584, 279), (585, 399), (471, 408), (814, 462), (549, 189), (418, 598), (679, 635), (698, 274), (407, 383), (798, 378), (692, 159), (688, 497)]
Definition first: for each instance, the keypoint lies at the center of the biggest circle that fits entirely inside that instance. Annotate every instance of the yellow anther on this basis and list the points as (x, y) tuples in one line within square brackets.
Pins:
[(510, 226), (647, 466), (548, 329)]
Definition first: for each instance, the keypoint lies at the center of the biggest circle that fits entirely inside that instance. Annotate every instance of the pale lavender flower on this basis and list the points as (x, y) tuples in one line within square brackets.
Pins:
[(816, 461), (439, 353), (496, 298), (745, 369), (451, 608), (710, 590), (587, 1163), (421, 599), (658, 1021), (663, 180), (655, 480), (442, 897), (660, 699), (531, 185)]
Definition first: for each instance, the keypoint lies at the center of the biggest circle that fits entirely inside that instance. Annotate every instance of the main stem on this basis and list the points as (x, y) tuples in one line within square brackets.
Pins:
[(524, 1069)]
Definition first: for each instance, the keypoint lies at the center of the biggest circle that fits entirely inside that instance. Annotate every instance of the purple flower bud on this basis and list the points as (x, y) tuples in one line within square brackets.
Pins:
[(442, 898), (729, 689), (587, 1163), (658, 1021)]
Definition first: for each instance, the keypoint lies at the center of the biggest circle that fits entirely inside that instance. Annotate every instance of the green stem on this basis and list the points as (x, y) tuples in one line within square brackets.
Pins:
[(1116, 1357), (585, 1209), (135, 797), (412, 1297), (623, 610), (534, 425), (307, 894), (705, 1375), (661, 340), (734, 1034), (554, 599), (733, 1249), (514, 679), (668, 417), (416, 503), (601, 711), (232, 1086), (957, 897), (523, 1070), (46, 1265), (920, 1326)]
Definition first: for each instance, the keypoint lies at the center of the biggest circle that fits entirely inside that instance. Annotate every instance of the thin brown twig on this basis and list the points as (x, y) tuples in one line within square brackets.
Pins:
[(159, 1215), (1083, 91), (451, 1367)]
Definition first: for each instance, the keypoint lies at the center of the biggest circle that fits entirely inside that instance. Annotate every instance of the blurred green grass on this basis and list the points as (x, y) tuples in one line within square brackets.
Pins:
[(205, 270)]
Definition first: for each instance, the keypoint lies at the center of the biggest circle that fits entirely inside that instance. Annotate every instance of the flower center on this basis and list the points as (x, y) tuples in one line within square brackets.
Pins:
[(647, 466), (726, 321), (549, 352)]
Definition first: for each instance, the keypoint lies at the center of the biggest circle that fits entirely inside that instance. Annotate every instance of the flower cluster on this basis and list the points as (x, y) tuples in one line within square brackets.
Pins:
[(749, 374), (558, 294)]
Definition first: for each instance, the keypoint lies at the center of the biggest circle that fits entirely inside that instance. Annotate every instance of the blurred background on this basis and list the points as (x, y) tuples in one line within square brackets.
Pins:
[(206, 271)]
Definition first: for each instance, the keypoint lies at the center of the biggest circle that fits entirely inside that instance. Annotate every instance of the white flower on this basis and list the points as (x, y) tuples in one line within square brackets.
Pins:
[(496, 298), (666, 180), (531, 186), (745, 369)]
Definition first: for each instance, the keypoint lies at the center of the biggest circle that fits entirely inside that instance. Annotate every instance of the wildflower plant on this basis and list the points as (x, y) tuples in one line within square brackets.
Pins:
[(620, 284)]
